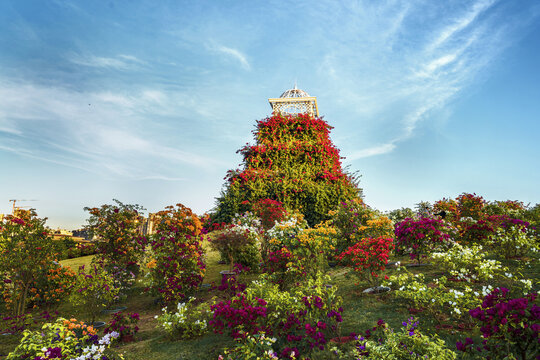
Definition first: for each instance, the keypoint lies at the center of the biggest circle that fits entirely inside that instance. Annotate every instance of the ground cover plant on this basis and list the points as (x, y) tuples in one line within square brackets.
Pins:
[(471, 301)]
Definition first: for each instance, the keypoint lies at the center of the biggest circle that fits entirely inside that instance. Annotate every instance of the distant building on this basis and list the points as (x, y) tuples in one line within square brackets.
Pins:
[(148, 225), (82, 233)]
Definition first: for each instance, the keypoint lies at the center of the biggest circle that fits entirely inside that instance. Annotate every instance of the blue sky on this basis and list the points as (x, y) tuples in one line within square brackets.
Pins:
[(147, 101)]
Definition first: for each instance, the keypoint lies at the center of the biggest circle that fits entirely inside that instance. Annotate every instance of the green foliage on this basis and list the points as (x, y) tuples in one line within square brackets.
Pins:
[(514, 240), (233, 243), (281, 304), (94, 290), (293, 162), (409, 343), (187, 321), (398, 215), (532, 215), (256, 347)]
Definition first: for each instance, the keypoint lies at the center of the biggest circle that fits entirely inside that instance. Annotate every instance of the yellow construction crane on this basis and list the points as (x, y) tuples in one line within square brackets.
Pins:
[(18, 207)]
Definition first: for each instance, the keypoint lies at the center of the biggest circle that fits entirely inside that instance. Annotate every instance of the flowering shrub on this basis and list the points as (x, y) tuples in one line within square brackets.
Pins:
[(468, 263), (94, 290), (510, 327), (477, 232), (269, 211), (368, 256), (232, 242), (354, 220), (423, 236), (249, 255), (300, 319), (117, 227), (465, 205), (513, 239), (409, 343), (283, 233), (123, 324), (23, 238), (63, 339), (298, 252), (436, 298), (176, 267), (282, 268), (52, 288), (293, 162), (187, 321), (16, 324)]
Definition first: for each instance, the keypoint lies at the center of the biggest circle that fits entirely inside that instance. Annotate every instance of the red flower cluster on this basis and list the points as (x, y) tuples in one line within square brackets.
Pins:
[(269, 211), (368, 255)]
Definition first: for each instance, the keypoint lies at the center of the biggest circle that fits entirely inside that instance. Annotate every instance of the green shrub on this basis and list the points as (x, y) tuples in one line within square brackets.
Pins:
[(409, 343), (186, 321)]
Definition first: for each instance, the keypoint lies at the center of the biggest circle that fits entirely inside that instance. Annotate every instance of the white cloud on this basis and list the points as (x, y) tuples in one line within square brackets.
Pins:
[(121, 62), (461, 23), (376, 150), (99, 132), (233, 53)]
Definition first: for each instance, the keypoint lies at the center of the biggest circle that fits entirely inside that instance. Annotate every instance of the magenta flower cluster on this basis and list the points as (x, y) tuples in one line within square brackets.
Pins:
[(417, 237), (508, 325), (239, 317), (298, 332)]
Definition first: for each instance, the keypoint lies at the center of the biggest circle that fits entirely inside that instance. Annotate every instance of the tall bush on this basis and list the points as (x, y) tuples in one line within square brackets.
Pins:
[(26, 254), (117, 228), (294, 162), (176, 265)]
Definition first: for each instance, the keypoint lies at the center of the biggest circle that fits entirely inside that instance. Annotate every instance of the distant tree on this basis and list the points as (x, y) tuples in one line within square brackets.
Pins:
[(398, 215), (294, 162)]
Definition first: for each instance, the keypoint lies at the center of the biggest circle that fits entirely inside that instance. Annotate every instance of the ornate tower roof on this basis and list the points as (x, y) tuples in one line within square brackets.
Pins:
[(294, 101)]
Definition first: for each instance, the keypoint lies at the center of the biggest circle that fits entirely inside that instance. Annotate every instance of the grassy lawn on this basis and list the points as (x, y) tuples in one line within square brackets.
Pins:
[(361, 312), (76, 262)]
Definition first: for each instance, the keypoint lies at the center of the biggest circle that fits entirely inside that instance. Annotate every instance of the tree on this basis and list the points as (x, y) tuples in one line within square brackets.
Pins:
[(26, 253), (293, 161), (117, 227)]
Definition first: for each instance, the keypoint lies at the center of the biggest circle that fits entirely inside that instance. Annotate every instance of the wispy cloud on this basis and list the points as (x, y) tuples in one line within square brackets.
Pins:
[(395, 66), (461, 22), (98, 132), (120, 62), (376, 150), (232, 53)]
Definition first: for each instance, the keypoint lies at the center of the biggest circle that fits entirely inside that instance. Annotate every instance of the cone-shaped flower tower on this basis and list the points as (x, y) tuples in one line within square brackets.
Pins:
[(293, 161)]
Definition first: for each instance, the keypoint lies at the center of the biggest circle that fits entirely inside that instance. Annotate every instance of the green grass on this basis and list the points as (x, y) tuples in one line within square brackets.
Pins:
[(76, 262), (361, 312)]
